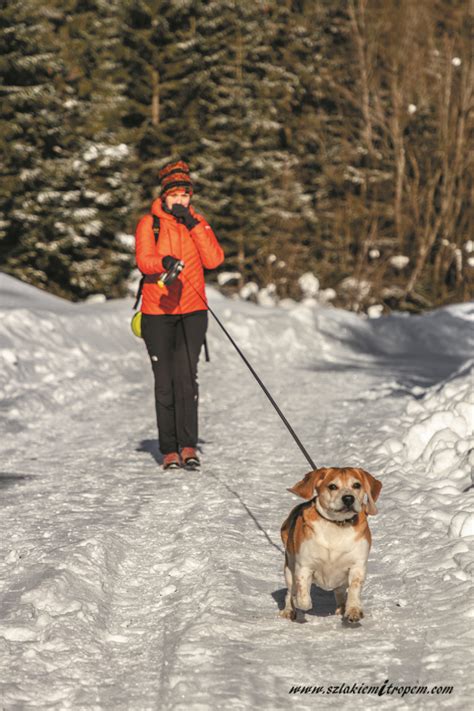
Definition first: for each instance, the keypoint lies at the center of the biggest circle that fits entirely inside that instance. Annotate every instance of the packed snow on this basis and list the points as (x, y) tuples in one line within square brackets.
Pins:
[(127, 587)]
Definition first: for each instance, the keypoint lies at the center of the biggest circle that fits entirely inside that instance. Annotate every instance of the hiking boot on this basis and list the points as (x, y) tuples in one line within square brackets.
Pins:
[(190, 457), (171, 461)]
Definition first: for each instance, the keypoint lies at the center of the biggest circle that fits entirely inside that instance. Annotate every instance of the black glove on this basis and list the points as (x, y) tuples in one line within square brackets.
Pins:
[(169, 262), (184, 216)]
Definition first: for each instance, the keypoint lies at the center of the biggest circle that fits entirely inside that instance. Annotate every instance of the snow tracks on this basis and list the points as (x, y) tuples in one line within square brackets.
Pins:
[(126, 587)]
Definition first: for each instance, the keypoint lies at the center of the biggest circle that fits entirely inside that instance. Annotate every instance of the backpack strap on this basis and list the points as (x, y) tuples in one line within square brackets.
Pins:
[(156, 234), (156, 227)]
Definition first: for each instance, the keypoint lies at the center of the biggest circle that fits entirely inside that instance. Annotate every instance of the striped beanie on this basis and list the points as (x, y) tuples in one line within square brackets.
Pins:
[(174, 176)]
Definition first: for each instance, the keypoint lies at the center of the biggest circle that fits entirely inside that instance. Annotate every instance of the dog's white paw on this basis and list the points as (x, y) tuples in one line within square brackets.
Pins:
[(353, 614), (288, 614), (303, 602)]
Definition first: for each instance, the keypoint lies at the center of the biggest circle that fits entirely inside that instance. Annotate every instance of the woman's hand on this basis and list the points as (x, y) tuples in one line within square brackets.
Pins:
[(184, 216), (169, 262)]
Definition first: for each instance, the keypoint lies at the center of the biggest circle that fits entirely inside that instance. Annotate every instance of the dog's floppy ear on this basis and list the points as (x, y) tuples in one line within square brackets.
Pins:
[(305, 488), (372, 488)]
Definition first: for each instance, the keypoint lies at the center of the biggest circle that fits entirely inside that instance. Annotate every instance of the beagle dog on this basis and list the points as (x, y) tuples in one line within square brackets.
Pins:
[(327, 539)]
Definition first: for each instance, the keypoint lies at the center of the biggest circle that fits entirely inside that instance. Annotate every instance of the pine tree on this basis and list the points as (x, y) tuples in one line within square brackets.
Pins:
[(63, 198), (291, 87), (158, 49), (30, 108), (242, 154), (89, 34)]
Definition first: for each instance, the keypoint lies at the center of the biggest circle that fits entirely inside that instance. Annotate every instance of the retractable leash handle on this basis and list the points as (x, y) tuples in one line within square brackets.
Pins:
[(170, 275), (260, 382)]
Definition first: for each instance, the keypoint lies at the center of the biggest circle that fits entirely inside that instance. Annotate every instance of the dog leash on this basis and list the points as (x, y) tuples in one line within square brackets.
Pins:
[(257, 378)]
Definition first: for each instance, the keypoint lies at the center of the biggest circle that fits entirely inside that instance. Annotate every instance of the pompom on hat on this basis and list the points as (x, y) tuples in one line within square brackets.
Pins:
[(173, 177)]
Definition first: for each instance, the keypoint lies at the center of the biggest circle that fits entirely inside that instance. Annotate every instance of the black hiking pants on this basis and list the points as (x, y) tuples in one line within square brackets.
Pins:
[(173, 343)]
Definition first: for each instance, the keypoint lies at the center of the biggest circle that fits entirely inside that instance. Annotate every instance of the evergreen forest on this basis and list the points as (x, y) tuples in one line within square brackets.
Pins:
[(325, 136)]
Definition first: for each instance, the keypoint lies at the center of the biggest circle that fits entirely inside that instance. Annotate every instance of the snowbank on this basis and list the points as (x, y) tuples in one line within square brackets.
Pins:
[(53, 352), (436, 444)]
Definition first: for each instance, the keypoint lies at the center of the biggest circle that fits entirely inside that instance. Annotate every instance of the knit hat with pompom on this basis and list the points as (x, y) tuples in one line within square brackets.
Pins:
[(174, 176)]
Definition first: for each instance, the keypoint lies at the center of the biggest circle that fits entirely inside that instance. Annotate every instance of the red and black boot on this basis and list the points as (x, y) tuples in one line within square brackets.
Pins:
[(171, 461), (190, 458)]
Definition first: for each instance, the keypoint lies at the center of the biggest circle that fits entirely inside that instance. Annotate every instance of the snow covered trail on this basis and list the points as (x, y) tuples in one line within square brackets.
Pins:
[(125, 587)]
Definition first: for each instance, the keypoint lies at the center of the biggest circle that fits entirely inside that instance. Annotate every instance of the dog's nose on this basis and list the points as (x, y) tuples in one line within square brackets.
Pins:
[(348, 500)]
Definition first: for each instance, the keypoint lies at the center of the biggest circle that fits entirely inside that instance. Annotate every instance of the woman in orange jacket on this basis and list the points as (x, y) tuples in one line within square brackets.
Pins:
[(174, 315)]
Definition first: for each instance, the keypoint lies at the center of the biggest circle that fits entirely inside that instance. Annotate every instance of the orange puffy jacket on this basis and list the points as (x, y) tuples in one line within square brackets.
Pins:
[(197, 248)]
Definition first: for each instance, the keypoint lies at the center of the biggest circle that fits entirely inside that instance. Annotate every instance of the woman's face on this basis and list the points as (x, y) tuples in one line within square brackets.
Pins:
[(181, 198)]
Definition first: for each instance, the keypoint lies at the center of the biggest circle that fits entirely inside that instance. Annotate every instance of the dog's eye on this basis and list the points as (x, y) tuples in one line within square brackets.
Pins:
[(333, 487), (356, 485)]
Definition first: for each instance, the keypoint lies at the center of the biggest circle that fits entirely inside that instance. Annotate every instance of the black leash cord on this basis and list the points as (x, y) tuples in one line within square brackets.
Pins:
[(259, 381)]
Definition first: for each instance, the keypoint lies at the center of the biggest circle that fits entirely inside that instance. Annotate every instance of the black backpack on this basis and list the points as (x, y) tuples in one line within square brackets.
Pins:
[(156, 232)]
